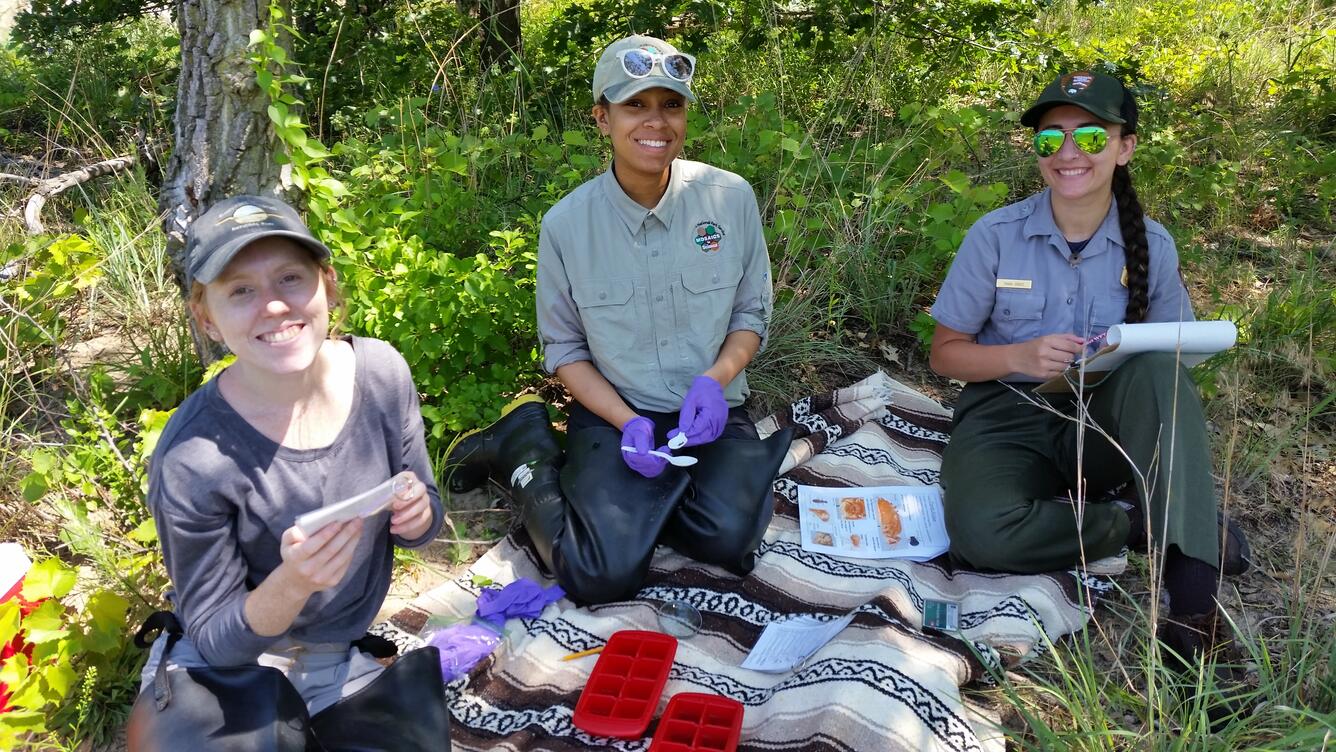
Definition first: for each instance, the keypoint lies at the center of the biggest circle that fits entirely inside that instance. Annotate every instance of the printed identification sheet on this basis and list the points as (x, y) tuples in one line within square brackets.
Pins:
[(887, 522), (784, 644)]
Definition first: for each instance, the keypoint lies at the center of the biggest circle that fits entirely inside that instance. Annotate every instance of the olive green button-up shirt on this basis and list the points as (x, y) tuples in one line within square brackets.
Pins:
[(648, 295)]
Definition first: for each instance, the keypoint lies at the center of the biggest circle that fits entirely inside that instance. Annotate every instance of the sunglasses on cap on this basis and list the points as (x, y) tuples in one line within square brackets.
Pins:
[(640, 63), (1090, 139)]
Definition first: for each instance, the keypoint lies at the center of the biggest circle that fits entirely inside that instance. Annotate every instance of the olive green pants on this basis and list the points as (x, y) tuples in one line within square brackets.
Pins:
[(1011, 465)]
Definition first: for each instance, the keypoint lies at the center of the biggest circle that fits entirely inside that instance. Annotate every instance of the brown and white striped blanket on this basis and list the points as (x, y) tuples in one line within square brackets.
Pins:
[(881, 684)]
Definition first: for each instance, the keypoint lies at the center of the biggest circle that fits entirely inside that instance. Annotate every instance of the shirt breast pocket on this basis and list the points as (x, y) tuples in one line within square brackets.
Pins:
[(709, 292), (1018, 314), (1110, 309), (609, 316)]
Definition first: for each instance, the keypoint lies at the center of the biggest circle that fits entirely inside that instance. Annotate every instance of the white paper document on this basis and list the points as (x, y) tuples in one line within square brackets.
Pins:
[(885, 522), (362, 505), (1192, 341), (785, 644)]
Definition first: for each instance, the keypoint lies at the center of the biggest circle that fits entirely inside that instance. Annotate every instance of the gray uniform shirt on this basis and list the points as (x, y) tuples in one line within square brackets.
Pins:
[(648, 295), (1014, 278), (222, 494)]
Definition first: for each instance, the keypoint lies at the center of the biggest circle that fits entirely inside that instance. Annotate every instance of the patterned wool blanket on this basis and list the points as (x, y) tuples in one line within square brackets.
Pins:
[(881, 684)]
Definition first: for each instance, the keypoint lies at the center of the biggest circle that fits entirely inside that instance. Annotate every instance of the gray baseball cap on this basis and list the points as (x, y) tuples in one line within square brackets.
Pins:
[(612, 81), (219, 234)]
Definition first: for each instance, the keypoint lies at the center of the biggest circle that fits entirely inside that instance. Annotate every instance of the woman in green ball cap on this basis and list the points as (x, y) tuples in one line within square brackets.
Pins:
[(1033, 285)]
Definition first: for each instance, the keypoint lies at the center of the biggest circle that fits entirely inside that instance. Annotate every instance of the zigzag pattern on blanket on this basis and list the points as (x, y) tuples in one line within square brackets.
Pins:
[(882, 684)]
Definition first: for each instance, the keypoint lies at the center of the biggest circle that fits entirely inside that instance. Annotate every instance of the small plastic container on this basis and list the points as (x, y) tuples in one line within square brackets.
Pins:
[(622, 692), (695, 722)]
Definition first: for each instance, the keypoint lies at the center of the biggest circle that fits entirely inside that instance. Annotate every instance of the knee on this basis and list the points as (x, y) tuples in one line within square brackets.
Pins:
[(588, 584), (982, 535)]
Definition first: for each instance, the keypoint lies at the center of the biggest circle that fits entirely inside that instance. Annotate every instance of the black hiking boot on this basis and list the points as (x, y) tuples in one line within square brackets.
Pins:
[(1188, 641), (1235, 553)]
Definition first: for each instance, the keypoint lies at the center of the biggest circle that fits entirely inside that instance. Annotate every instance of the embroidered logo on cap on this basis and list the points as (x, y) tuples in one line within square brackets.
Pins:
[(246, 214), (708, 236), (1075, 83)]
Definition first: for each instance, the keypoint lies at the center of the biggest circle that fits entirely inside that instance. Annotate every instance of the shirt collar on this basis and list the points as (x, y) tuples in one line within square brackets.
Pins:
[(634, 215), (1041, 223)]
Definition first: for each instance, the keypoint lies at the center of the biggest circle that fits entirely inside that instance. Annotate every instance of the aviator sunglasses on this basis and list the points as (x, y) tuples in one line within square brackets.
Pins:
[(640, 63), (1090, 139)]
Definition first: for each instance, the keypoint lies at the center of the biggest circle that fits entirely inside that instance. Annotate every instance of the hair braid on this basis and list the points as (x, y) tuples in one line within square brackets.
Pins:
[(1132, 220)]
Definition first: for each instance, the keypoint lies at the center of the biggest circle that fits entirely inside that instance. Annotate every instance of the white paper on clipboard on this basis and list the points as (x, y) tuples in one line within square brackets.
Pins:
[(362, 505)]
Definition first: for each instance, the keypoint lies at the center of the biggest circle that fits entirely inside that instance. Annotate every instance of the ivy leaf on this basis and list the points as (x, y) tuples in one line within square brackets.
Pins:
[(9, 620), (956, 181), (48, 578), (106, 610), (44, 624), (14, 670), (59, 678)]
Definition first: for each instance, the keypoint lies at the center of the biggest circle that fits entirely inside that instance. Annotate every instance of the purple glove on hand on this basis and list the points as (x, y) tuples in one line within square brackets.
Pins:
[(704, 412), (638, 433)]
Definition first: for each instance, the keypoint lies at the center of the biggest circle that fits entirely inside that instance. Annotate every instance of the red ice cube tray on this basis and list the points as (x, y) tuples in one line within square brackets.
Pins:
[(623, 690), (697, 722)]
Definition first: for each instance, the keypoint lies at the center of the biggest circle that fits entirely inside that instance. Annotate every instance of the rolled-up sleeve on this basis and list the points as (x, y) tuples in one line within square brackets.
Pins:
[(966, 299), (197, 530), (754, 300), (1167, 296), (559, 327)]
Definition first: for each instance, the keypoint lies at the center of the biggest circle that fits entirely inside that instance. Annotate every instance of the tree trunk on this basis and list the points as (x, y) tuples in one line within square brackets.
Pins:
[(224, 144), (500, 31)]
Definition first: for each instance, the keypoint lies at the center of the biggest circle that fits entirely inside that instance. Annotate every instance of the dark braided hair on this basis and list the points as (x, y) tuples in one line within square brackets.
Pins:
[(1132, 221)]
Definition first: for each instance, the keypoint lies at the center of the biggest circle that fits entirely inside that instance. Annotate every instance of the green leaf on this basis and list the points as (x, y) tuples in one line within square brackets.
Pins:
[(574, 138), (59, 677), (33, 486), (956, 181), (790, 145), (48, 578), (9, 620), (26, 722), (14, 670), (145, 532), (44, 624)]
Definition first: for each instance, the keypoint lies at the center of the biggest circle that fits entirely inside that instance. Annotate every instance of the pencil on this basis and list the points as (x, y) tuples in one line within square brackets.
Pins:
[(583, 653)]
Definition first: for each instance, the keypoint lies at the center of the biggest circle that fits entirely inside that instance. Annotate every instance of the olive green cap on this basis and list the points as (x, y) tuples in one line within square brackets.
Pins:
[(1097, 93)]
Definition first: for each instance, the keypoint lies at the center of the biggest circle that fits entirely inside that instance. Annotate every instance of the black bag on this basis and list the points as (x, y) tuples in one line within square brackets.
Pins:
[(239, 708), (402, 710)]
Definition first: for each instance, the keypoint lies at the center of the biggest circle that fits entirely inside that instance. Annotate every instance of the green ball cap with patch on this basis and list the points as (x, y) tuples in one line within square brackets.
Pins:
[(612, 81), (1099, 94), (218, 235)]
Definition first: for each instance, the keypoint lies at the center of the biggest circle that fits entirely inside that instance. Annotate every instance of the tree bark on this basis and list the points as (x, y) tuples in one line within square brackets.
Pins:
[(223, 142), (500, 31)]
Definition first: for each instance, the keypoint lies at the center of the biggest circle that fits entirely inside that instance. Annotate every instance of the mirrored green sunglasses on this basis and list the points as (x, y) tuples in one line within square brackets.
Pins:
[(1090, 139)]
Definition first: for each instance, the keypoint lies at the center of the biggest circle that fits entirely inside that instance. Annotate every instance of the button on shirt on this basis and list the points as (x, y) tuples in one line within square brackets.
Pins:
[(648, 295), (1015, 278)]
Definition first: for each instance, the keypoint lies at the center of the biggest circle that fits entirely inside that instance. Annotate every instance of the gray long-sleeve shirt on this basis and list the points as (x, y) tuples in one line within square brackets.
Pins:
[(221, 494)]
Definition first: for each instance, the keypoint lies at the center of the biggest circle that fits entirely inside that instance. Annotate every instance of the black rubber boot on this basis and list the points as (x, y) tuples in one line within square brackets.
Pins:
[(402, 709), (477, 455), (521, 455)]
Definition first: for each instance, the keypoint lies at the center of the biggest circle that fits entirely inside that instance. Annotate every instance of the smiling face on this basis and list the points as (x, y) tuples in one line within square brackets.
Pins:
[(1073, 175), (270, 306), (647, 132)]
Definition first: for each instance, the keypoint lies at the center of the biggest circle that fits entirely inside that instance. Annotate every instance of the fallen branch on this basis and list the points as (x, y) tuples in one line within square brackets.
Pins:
[(32, 214)]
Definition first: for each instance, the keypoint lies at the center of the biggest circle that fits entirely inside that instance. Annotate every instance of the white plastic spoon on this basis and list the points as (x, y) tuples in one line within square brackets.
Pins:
[(676, 461), (678, 441)]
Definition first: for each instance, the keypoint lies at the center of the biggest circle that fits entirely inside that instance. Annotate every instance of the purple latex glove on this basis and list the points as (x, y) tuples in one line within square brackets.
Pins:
[(462, 646), (638, 432), (522, 598), (704, 412)]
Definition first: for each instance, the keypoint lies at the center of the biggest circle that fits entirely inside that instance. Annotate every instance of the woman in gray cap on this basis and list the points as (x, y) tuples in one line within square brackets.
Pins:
[(300, 420), (1032, 285), (653, 296)]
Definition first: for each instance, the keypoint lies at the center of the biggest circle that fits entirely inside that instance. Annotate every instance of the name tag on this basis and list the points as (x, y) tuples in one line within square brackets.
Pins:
[(1014, 284)]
